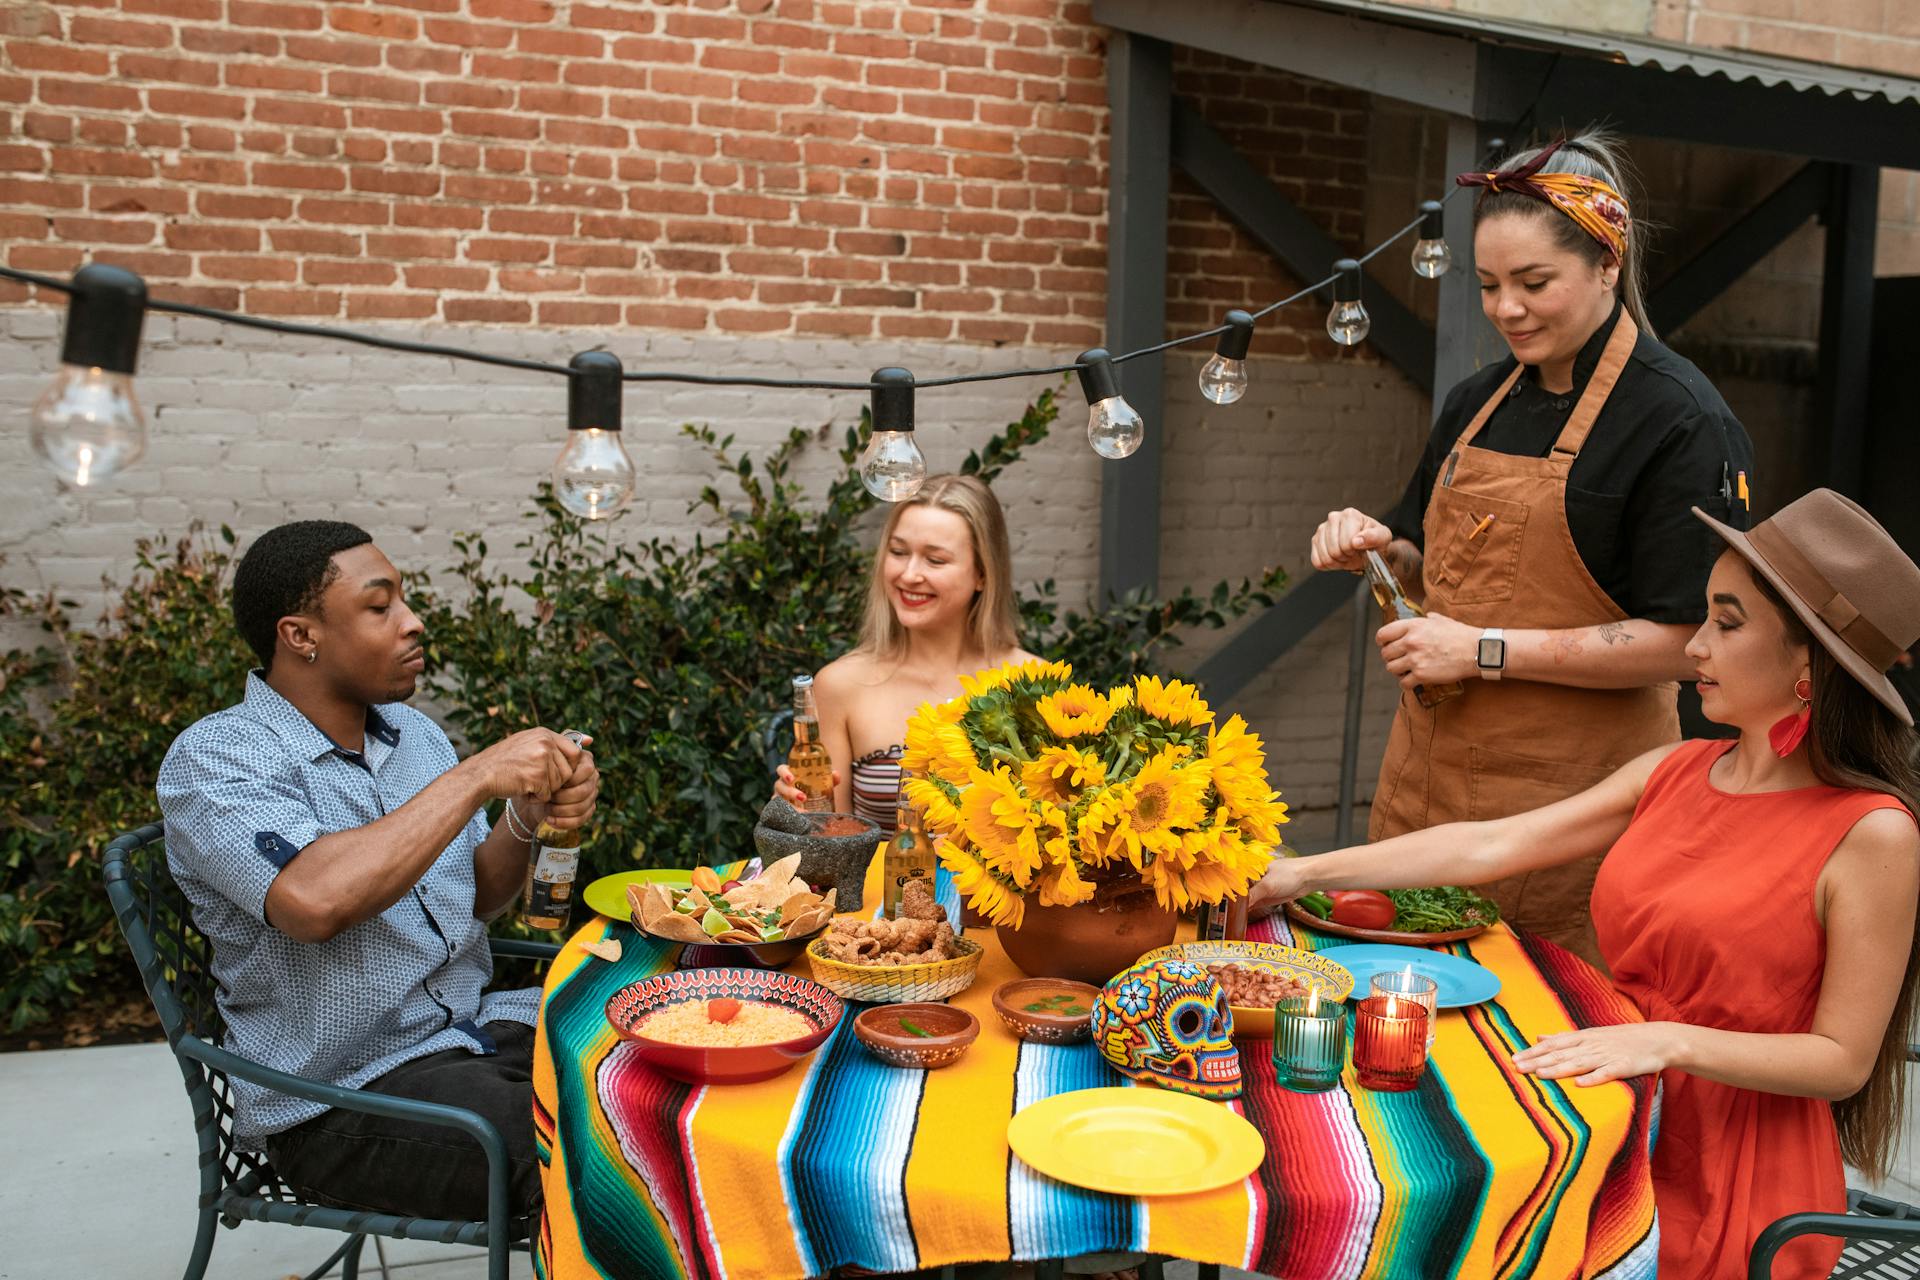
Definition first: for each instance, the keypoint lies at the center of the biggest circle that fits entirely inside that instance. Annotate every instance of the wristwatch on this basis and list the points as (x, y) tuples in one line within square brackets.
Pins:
[(1492, 657)]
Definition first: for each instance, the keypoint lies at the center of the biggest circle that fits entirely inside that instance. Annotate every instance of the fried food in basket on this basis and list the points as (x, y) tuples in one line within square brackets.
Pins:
[(774, 905), (920, 936)]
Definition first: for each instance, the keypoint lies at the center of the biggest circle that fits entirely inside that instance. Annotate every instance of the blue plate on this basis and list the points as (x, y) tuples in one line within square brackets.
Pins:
[(1460, 982)]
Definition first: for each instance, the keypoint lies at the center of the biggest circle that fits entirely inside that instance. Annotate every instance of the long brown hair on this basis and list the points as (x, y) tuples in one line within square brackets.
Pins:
[(1593, 153), (992, 619), (1855, 741)]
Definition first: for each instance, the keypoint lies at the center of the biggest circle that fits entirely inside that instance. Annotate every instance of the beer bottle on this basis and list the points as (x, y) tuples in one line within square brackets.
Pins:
[(909, 854), (812, 766), (1222, 922), (1396, 607), (552, 866)]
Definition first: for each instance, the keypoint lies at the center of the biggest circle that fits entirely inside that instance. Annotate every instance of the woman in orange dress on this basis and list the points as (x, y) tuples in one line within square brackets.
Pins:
[(1758, 896)]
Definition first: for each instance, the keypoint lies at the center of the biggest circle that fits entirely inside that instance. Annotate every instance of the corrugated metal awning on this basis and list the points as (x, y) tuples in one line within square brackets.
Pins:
[(1731, 65)]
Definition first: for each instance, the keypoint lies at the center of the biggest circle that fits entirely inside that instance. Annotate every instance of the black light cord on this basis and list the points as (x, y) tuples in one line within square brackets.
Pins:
[(695, 379)]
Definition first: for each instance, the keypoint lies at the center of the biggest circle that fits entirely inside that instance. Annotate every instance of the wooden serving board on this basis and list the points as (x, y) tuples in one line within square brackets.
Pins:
[(1403, 937)]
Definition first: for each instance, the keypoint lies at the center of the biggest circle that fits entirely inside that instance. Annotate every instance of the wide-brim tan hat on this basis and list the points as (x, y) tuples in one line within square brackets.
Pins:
[(1845, 577)]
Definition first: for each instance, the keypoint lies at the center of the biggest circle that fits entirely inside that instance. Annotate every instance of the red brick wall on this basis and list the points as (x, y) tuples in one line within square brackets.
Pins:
[(802, 167)]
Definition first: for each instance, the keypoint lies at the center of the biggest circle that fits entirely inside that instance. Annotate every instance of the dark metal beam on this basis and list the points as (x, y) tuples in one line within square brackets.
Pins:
[(1756, 233), (1246, 196), (1575, 90), (1139, 91), (1292, 618), (1464, 342), (1846, 328), (1426, 68)]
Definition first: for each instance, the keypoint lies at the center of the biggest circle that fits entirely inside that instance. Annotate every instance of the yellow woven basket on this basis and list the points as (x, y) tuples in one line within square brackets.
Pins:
[(895, 983)]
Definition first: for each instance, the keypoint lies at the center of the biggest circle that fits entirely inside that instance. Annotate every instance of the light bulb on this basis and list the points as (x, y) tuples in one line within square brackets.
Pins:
[(1114, 427), (593, 477), (1431, 257), (1347, 319), (891, 466), (1223, 379), (88, 426)]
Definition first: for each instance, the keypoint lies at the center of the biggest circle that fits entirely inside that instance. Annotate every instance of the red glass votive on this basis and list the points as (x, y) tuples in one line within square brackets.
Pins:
[(1389, 1043)]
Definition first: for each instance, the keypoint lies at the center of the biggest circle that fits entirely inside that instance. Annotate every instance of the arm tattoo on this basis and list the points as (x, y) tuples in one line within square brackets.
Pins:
[(1563, 645), (1616, 633)]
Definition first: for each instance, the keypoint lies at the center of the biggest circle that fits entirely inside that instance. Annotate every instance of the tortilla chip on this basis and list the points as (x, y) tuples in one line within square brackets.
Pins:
[(798, 905), (607, 949), (782, 871), (738, 935), (693, 903), (678, 928), (810, 920), (705, 879)]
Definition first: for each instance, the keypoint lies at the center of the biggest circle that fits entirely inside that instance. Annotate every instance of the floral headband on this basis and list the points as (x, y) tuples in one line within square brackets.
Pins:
[(1592, 203)]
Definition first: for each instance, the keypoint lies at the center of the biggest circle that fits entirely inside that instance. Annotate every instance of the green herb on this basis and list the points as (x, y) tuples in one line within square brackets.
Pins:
[(1318, 904), (1441, 909), (911, 1029), (1037, 1007), (1075, 1008)]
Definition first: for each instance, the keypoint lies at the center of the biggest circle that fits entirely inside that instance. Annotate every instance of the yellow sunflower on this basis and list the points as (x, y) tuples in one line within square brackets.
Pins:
[(1060, 884), (1000, 677), (1173, 703), (989, 896), (1060, 774), (1001, 824), (1146, 814), (940, 813), (1075, 712)]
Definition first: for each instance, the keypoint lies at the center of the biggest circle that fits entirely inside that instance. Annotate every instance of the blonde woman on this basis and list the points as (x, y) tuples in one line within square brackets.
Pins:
[(939, 606)]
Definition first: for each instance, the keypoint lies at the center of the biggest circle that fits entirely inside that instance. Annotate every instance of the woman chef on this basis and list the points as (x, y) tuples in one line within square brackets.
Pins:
[(1563, 568)]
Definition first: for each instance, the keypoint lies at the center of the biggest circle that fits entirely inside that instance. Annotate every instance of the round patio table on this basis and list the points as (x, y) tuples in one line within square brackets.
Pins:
[(1481, 1171)]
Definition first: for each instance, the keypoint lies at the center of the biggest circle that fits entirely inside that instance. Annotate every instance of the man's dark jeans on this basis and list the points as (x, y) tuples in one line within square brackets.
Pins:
[(352, 1160)]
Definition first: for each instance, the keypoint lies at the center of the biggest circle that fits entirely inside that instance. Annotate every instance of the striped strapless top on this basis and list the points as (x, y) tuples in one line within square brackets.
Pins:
[(876, 786)]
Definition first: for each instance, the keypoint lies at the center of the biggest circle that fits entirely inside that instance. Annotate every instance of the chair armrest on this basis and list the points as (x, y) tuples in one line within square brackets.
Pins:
[(524, 948), (1845, 1226), (476, 1126)]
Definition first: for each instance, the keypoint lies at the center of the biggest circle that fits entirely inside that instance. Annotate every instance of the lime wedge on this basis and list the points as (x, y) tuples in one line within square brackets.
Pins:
[(714, 923)]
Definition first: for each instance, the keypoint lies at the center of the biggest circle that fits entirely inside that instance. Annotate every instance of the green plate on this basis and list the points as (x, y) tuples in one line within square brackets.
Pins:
[(608, 894)]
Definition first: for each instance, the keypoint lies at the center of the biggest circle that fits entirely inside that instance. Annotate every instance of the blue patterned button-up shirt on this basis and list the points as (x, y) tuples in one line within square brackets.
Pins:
[(243, 792)]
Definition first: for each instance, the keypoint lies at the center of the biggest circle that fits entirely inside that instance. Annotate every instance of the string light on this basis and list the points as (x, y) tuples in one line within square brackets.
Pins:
[(593, 476), (891, 466), (1223, 379), (87, 426), (1114, 427), (1347, 320), (1431, 257)]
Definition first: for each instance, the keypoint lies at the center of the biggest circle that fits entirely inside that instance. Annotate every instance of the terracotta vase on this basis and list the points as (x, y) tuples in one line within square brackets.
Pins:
[(1087, 943)]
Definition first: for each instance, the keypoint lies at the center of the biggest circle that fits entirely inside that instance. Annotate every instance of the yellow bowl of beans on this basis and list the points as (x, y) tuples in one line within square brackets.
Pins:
[(1258, 975)]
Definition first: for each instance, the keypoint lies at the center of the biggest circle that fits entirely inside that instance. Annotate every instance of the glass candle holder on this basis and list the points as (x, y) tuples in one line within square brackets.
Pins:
[(1309, 1043), (1389, 1043), (1405, 984)]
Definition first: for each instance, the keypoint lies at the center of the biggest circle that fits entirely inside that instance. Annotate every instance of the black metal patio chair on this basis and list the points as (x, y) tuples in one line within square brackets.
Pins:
[(175, 963)]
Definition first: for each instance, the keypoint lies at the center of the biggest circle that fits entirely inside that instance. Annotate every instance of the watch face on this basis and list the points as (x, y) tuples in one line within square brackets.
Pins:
[(1493, 653)]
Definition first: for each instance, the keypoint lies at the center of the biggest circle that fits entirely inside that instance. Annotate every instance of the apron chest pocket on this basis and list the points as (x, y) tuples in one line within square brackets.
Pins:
[(1476, 568)]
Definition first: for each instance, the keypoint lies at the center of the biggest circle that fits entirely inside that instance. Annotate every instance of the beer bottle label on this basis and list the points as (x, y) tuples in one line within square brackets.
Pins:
[(556, 866)]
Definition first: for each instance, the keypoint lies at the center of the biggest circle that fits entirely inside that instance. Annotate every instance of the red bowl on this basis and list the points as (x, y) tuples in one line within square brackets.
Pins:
[(724, 1064)]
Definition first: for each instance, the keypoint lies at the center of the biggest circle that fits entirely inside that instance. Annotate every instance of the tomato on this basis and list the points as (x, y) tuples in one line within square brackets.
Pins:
[(1362, 908), (722, 1009)]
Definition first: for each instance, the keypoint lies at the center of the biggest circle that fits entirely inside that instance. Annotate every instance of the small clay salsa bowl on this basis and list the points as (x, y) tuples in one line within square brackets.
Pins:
[(1046, 1010), (925, 1036)]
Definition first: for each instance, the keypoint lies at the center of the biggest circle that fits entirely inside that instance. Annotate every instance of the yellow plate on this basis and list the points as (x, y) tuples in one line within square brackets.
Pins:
[(1249, 1021), (608, 894), (1136, 1142)]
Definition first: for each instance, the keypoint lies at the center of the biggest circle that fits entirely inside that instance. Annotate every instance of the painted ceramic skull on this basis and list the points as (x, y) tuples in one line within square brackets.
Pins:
[(1168, 1021)]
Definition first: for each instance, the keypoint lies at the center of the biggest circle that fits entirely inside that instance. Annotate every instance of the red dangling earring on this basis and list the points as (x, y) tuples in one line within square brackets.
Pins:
[(1789, 731)]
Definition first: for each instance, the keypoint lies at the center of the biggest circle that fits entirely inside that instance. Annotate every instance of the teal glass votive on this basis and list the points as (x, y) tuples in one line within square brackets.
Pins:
[(1309, 1042)]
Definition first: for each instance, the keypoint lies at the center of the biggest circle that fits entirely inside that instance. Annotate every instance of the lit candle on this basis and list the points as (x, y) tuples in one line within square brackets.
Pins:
[(1407, 985), (1389, 1043), (1309, 1043)]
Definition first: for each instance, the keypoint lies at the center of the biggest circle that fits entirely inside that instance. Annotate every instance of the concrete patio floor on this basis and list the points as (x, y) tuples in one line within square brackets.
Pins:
[(103, 1175)]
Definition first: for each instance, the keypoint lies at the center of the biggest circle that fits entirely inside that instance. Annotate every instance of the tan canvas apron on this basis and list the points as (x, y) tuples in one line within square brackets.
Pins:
[(1503, 747)]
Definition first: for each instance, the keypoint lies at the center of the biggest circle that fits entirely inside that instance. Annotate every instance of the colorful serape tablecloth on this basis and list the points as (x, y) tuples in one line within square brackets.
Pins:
[(1481, 1172)]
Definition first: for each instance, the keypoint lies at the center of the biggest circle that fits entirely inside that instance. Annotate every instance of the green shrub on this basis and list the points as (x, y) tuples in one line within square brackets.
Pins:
[(673, 656)]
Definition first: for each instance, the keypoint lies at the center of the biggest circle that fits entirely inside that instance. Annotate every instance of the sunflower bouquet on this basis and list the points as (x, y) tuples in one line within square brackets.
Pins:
[(1041, 785)]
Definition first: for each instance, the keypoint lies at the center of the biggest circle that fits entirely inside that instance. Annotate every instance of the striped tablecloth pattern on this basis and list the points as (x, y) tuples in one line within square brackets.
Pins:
[(1481, 1172)]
